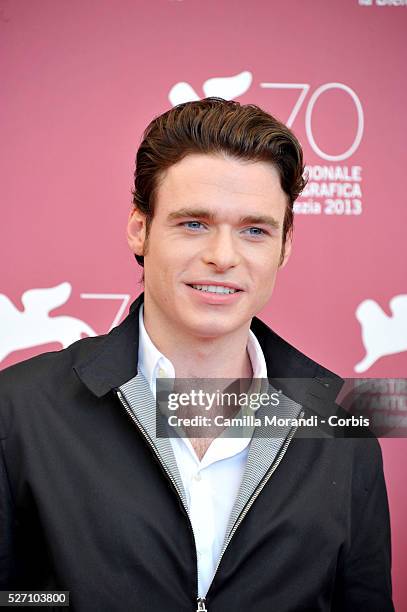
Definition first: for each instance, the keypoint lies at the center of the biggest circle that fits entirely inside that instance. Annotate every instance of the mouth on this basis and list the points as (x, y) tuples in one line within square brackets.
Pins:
[(215, 289)]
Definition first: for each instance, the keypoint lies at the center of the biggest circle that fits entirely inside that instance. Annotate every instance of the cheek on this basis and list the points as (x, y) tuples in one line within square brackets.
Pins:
[(266, 287), (264, 291), (166, 265), (265, 265), (265, 274)]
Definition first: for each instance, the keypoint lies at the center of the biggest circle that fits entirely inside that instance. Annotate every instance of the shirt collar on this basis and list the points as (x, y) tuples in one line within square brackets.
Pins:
[(151, 362)]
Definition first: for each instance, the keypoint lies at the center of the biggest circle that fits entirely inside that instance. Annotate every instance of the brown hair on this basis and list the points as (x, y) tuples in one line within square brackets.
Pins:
[(212, 126)]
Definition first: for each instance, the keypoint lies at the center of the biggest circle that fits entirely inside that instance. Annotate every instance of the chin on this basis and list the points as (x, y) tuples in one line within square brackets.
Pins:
[(213, 329)]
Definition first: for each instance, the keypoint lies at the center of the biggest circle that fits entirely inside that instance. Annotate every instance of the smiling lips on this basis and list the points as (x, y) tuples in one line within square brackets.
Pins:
[(215, 288)]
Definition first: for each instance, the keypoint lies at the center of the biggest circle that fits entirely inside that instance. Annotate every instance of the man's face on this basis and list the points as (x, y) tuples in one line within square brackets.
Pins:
[(217, 226)]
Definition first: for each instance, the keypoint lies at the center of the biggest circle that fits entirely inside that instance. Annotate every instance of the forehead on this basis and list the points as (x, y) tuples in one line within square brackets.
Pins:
[(220, 181)]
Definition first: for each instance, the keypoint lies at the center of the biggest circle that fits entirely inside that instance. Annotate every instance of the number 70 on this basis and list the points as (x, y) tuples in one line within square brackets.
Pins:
[(304, 88)]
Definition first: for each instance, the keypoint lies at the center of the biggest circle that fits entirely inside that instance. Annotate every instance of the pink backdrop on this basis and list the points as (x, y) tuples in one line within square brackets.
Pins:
[(79, 82)]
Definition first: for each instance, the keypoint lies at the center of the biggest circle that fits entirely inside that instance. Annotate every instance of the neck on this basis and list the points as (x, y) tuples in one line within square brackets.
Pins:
[(200, 357)]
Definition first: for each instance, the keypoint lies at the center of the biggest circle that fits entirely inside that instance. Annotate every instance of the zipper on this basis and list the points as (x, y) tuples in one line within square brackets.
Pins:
[(201, 601), (255, 495), (131, 414)]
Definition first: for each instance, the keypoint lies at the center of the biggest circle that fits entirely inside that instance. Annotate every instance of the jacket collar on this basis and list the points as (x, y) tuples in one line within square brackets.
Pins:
[(113, 361)]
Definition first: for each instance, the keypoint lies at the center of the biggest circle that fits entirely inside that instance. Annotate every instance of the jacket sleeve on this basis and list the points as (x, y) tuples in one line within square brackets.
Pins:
[(365, 567)]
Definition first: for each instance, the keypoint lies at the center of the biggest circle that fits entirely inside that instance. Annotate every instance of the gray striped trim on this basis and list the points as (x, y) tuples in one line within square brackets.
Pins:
[(262, 453), (139, 397)]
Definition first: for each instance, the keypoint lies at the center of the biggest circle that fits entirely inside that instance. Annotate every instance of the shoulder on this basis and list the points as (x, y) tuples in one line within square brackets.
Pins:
[(46, 367), (284, 359), (34, 381)]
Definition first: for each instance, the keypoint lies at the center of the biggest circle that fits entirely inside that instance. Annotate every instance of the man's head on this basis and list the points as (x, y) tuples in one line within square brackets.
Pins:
[(217, 126), (212, 223)]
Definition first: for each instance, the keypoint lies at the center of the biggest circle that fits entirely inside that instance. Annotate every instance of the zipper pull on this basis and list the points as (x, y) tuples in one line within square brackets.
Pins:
[(201, 605)]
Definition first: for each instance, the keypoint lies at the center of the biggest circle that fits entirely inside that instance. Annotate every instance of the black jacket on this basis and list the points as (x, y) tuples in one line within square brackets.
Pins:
[(85, 505)]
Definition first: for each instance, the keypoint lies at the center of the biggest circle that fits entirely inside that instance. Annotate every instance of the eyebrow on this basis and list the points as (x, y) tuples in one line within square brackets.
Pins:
[(202, 213)]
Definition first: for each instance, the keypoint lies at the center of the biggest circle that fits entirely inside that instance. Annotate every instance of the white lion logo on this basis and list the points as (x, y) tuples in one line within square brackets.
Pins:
[(223, 87), (382, 335), (33, 326)]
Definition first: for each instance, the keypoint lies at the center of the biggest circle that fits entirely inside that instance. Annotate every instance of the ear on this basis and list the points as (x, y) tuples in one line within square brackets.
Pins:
[(287, 250), (136, 231)]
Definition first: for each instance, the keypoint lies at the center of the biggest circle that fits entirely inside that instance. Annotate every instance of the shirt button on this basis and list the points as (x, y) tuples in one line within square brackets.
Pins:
[(198, 477), (161, 373)]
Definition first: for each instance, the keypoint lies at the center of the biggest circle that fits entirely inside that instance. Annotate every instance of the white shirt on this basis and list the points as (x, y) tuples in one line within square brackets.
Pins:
[(211, 485)]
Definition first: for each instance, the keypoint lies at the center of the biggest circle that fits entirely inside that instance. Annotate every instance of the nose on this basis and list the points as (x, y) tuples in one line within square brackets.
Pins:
[(221, 250)]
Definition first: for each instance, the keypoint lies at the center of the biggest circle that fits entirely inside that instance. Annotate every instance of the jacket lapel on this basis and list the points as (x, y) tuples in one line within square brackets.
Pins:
[(139, 397), (262, 453)]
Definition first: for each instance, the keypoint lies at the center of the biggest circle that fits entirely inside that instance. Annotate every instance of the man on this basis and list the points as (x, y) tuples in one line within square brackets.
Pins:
[(94, 502)]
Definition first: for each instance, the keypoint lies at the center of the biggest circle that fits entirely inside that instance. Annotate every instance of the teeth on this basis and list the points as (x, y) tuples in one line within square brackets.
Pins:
[(214, 288)]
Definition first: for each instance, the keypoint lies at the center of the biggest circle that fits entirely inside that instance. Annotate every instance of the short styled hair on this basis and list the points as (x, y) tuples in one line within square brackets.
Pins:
[(217, 126)]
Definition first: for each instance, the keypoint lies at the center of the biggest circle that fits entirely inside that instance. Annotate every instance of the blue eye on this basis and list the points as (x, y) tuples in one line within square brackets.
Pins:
[(194, 225), (257, 231)]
